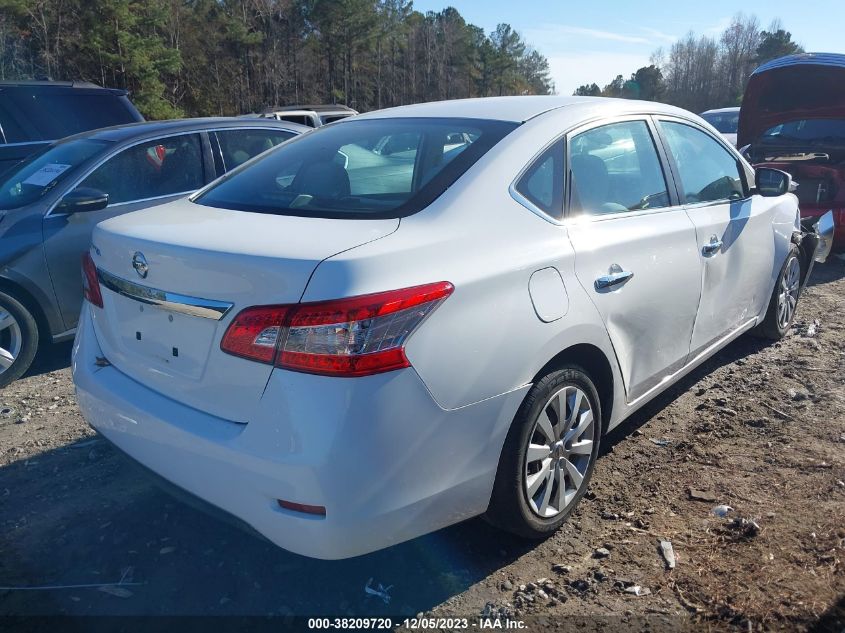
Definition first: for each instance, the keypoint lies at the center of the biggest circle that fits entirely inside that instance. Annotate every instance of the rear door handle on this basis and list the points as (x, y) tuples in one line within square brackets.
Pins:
[(713, 247), (614, 277)]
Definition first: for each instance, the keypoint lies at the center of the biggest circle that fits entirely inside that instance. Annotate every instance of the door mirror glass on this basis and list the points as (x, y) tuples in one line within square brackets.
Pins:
[(83, 199), (771, 182)]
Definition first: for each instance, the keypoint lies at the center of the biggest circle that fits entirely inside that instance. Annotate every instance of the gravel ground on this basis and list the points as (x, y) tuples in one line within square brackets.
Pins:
[(759, 428)]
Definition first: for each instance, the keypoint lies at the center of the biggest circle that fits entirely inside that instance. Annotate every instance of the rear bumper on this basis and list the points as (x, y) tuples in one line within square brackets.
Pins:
[(378, 453)]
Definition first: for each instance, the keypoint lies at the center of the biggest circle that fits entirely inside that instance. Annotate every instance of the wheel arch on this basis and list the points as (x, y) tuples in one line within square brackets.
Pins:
[(596, 364), (31, 303)]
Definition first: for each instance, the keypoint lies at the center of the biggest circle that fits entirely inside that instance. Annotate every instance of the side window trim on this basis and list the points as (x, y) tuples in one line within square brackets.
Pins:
[(209, 169), (662, 159), (666, 164), (216, 154), (676, 175), (563, 182), (50, 212)]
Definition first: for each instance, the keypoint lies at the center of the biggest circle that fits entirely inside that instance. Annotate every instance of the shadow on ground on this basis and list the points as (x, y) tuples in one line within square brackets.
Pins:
[(51, 357), (100, 514)]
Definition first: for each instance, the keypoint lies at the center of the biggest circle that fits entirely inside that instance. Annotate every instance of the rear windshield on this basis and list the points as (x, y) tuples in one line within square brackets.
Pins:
[(371, 168), (34, 115), (40, 173), (724, 122)]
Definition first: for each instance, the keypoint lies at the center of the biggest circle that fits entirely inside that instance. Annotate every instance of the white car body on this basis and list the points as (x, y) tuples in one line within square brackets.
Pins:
[(399, 454)]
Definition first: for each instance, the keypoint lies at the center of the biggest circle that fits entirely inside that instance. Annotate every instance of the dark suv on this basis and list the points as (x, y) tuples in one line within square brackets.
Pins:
[(50, 203), (34, 113)]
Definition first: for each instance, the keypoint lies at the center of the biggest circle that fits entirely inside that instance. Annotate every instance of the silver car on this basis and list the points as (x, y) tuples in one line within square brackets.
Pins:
[(428, 313)]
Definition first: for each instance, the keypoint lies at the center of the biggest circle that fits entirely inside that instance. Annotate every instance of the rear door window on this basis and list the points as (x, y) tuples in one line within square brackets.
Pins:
[(152, 169), (48, 114), (238, 146), (296, 118), (366, 168), (15, 128), (615, 168)]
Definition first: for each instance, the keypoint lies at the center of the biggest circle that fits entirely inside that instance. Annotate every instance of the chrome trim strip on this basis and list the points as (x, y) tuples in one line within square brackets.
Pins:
[(525, 202), (193, 306), (178, 194)]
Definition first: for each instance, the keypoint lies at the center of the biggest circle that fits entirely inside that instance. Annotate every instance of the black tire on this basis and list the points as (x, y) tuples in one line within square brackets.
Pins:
[(28, 329), (771, 327), (509, 504)]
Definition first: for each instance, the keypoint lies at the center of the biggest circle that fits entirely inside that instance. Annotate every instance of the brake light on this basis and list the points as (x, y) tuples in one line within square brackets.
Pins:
[(358, 336), (90, 282), (254, 333)]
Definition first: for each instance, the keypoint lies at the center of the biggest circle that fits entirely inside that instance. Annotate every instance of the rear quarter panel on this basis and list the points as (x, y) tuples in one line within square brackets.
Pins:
[(486, 339)]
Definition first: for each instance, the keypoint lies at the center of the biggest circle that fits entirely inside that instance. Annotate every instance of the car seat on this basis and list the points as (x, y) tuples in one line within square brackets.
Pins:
[(591, 185)]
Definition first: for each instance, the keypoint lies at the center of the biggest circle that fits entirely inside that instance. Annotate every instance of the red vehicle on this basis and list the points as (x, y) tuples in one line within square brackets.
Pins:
[(793, 118)]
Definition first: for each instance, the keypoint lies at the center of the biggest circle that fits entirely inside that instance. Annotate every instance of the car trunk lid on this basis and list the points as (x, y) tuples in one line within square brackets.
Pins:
[(162, 325)]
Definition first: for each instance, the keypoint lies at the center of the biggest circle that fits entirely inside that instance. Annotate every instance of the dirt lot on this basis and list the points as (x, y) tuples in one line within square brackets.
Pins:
[(760, 428)]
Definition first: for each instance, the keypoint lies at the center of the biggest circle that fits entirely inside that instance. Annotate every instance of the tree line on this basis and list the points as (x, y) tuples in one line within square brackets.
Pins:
[(699, 72), (227, 57)]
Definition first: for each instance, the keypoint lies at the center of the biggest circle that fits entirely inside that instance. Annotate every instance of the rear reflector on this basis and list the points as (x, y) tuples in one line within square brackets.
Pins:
[(301, 507), (357, 336), (90, 283)]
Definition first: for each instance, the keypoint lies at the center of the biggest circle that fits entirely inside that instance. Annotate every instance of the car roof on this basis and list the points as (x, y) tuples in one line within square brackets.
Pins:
[(720, 110), (134, 131), (522, 108), (309, 108), (49, 84)]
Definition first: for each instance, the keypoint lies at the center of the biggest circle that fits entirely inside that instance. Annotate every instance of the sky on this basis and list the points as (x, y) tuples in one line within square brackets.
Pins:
[(588, 42)]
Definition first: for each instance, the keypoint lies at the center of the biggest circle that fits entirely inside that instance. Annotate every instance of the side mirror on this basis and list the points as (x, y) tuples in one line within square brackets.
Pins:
[(84, 199), (771, 182), (824, 229)]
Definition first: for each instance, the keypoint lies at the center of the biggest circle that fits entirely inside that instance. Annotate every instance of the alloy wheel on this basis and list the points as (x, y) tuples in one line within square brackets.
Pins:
[(788, 294), (559, 451), (11, 340)]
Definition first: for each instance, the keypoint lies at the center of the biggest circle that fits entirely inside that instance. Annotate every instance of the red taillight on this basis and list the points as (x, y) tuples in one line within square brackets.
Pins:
[(357, 336), (254, 333), (90, 283)]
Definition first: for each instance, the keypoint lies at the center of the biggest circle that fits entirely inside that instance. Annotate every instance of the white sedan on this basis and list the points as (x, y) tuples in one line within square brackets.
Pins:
[(428, 313)]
